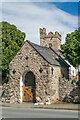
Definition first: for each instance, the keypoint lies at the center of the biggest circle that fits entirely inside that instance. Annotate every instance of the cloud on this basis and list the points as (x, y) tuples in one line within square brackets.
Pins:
[(29, 17), (40, 0), (0, 11)]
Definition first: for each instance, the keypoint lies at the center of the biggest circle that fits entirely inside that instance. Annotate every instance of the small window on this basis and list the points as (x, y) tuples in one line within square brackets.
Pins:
[(51, 38), (50, 45), (47, 71), (63, 75), (40, 70), (26, 57), (14, 71)]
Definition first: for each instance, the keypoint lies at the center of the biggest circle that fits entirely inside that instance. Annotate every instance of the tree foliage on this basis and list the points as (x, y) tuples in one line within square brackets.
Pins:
[(12, 41), (71, 48)]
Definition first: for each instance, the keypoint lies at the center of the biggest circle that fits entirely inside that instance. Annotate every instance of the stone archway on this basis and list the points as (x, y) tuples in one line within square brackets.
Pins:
[(28, 87), (30, 79)]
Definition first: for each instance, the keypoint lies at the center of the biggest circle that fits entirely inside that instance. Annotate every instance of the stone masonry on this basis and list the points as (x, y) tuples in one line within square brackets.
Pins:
[(47, 85), (50, 39), (68, 92)]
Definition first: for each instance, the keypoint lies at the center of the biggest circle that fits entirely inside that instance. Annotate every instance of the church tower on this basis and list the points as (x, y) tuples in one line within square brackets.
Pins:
[(50, 39)]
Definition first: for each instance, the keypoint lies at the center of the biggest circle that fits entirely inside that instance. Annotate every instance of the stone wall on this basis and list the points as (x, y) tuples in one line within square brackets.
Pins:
[(68, 92), (27, 59), (52, 40), (47, 81), (55, 74)]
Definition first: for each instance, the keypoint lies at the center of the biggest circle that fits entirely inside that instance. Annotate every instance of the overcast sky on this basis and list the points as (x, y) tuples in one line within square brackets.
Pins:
[(30, 16)]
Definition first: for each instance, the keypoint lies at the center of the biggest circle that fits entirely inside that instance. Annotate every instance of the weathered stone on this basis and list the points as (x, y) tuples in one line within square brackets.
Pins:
[(68, 92), (41, 103), (36, 103), (38, 99), (52, 40), (48, 103), (3, 99)]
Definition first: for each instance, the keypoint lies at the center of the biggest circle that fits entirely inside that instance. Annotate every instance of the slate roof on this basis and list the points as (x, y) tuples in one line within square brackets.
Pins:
[(49, 54)]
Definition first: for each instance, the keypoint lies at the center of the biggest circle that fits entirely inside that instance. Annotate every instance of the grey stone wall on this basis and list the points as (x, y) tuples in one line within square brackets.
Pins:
[(50, 39), (27, 59), (68, 92), (54, 77), (47, 82)]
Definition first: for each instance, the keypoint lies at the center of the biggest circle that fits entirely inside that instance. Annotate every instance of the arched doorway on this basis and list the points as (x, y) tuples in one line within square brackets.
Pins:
[(29, 88)]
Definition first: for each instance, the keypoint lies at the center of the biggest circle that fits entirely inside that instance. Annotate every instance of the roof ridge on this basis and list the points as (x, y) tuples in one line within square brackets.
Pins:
[(36, 44)]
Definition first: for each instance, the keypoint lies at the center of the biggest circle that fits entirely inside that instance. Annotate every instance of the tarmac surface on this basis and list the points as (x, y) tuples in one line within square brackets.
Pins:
[(9, 112), (30, 110)]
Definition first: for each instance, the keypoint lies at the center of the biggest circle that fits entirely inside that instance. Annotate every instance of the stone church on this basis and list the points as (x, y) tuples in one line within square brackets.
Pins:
[(36, 71)]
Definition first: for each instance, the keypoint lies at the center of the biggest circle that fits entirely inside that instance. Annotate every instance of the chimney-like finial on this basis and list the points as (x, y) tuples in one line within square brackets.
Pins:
[(42, 30)]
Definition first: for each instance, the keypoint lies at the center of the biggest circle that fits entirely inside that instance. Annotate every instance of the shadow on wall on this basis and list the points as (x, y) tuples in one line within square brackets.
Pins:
[(65, 72), (64, 69), (74, 96), (68, 92)]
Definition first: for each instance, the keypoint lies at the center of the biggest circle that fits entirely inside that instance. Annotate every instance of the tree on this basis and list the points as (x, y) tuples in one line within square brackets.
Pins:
[(12, 41), (71, 48)]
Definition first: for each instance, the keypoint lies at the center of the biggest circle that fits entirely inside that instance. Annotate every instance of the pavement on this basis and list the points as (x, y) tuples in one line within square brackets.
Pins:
[(42, 106)]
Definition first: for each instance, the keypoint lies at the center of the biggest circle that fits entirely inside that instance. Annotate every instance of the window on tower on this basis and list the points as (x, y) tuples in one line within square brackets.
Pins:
[(50, 44)]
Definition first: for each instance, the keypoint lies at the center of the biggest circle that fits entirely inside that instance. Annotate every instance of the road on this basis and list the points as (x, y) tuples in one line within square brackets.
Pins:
[(8, 112)]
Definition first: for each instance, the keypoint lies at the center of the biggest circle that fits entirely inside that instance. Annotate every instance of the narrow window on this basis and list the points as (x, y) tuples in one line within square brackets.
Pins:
[(52, 70), (50, 45)]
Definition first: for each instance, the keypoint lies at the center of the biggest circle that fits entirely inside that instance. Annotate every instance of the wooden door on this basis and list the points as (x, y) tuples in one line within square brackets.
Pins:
[(29, 94), (29, 88)]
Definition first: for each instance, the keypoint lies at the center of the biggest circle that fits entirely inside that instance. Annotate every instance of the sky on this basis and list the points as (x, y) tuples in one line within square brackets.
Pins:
[(30, 16)]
